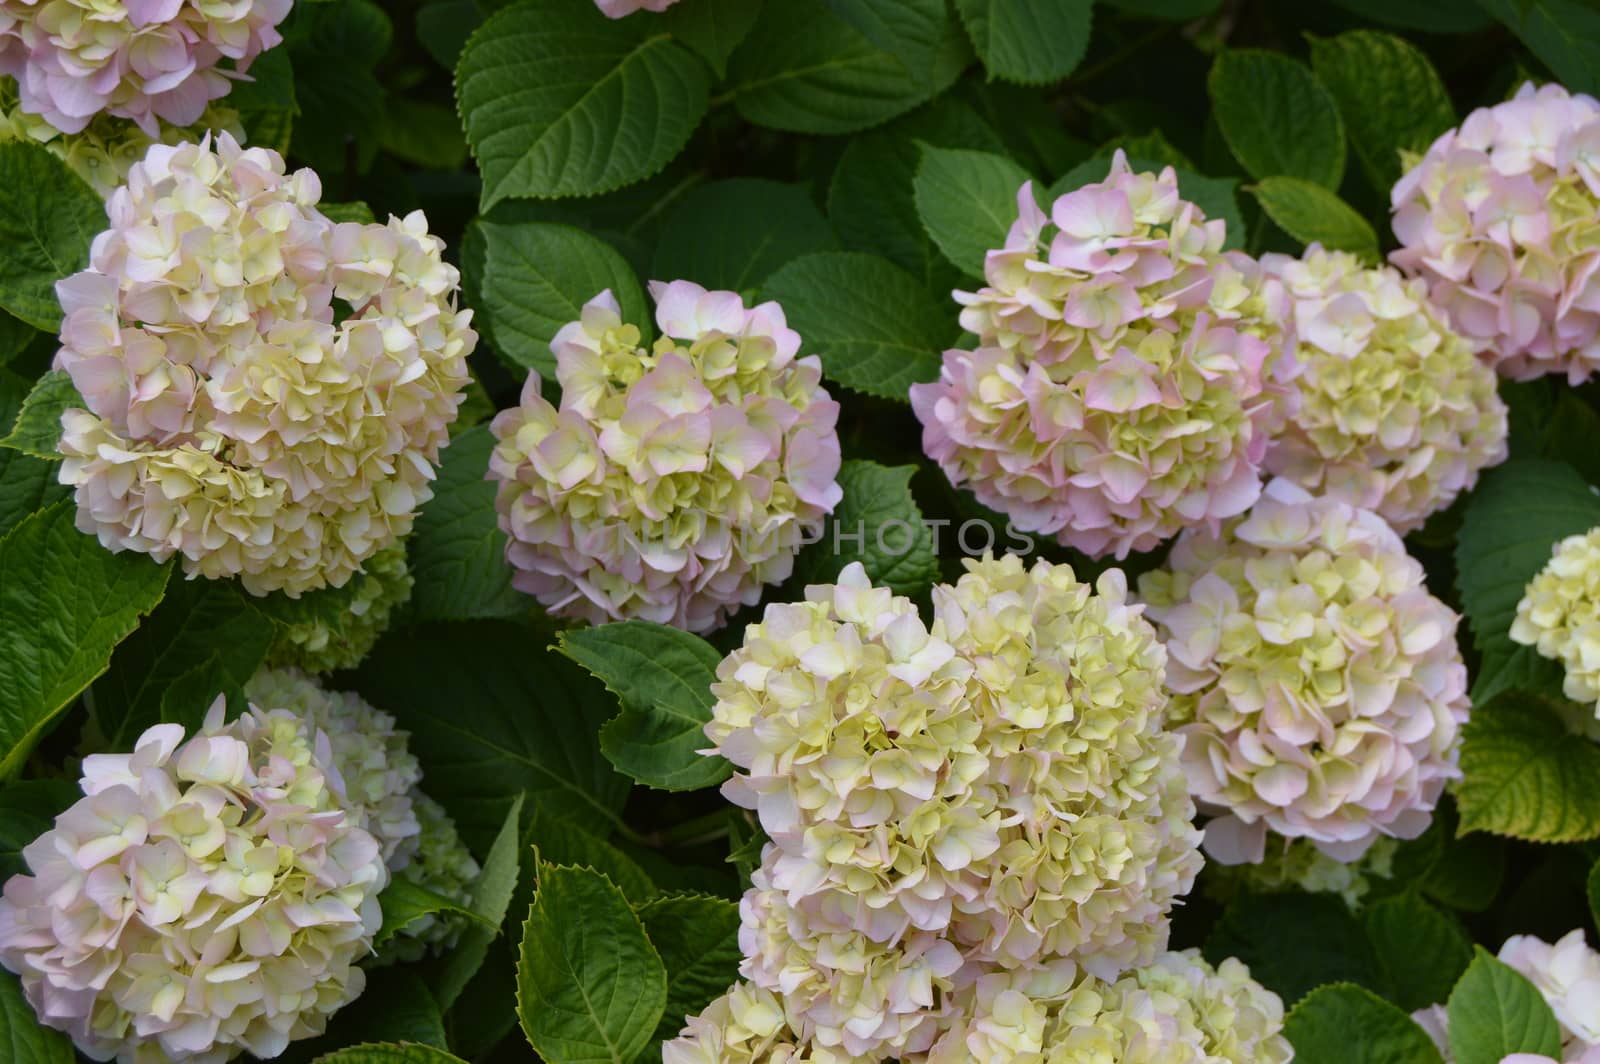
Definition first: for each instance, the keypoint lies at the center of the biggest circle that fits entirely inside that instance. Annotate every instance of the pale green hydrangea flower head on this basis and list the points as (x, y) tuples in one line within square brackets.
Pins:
[(1559, 615), (441, 863), (383, 586)]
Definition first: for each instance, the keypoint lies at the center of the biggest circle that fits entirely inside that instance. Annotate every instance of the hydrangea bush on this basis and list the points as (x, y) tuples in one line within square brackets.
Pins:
[(799, 531)]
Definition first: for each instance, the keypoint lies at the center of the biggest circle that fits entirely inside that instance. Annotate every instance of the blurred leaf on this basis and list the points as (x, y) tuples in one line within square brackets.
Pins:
[(1420, 951), (424, 134), (734, 234), (335, 49), (698, 940), (1294, 942), (48, 216), (1313, 215), (1028, 42), (1277, 118), (967, 201), (1431, 16), (1594, 893), (559, 100), (1389, 95), (443, 27), (1174, 10), (1524, 775), (877, 524), (1495, 1012), (1564, 34), (491, 900), (1346, 1024)]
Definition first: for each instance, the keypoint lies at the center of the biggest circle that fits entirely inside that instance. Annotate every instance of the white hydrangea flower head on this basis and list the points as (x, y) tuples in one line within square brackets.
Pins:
[(440, 862), (746, 1025), (205, 898), (145, 60), (1128, 373), (381, 587), (1317, 683), (1559, 615), (1396, 413), (235, 415), (1297, 864), (1176, 1010), (674, 482), (1499, 217)]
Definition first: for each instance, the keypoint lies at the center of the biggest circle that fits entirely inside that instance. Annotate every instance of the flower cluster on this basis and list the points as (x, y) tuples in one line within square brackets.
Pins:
[(105, 150), (1176, 1009), (318, 645), (235, 415), (146, 60), (1128, 372), (1566, 974), (985, 791), (1297, 865), (622, 8), (1560, 614), (1396, 414), (744, 1026), (1500, 217), (204, 898), (675, 481), (1317, 682), (441, 863)]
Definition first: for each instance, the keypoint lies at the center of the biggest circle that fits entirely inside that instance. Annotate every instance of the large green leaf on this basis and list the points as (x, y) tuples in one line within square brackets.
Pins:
[(878, 524), (27, 484), (590, 986), (1295, 942), (1513, 521), (967, 201), (805, 69), (338, 115), (910, 30), (1525, 775), (1313, 215), (1277, 118), (491, 900), (389, 1053), (1389, 95), (1026, 41), (37, 427), (1564, 34), (698, 939), (877, 329), (559, 100), (734, 234), (528, 280), (66, 602), (1346, 1024), (23, 1039), (1421, 952), (456, 551), (1494, 1012), (48, 216), (663, 678), (494, 715), (558, 840)]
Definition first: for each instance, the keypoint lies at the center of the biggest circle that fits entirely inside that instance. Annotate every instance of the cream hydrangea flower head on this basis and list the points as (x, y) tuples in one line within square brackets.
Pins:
[(205, 898), (1559, 614), (1176, 1010), (1500, 218), (383, 586), (139, 59), (231, 418), (1317, 682), (1396, 414), (674, 482), (1128, 373), (746, 1025)]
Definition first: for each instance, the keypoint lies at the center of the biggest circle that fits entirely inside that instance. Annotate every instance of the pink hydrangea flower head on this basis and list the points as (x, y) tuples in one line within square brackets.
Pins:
[(1128, 372), (1317, 683), (1559, 614), (673, 482), (1499, 217), (1396, 414), (237, 415), (1177, 1008), (623, 8), (204, 898), (146, 60)]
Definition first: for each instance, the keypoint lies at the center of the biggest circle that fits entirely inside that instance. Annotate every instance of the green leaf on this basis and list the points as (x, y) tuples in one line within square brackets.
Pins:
[(877, 329), (443, 27), (698, 939), (1468, 873), (38, 425), (1277, 118), (1564, 34), (1495, 1012), (1514, 519), (491, 900), (530, 279), (1420, 951), (23, 1039), (910, 30), (879, 525), (558, 840), (457, 551), (1346, 1024), (15, 336), (48, 217), (712, 28), (195, 619), (389, 1053), (1313, 215), (733, 234), (424, 134), (404, 903), (354, 211), (335, 50), (1431, 16), (803, 69), (66, 602), (492, 716), (1524, 775), (1294, 942), (967, 201), (1215, 196), (1389, 95), (1025, 41), (663, 677), (27, 484), (590, 987), (559, 100), (28, 809), (395, 1008)]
